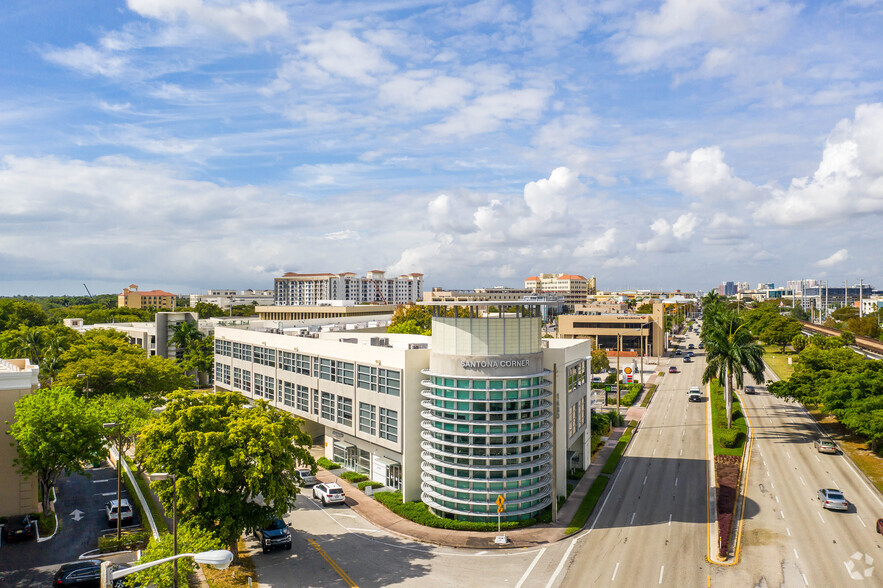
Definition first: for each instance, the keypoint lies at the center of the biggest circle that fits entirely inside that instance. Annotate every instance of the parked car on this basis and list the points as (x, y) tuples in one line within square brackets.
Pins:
[(832, 499), (750, 390), (86, 573), (274, 534), (825, 445), (111, 510), (673, 370), (19, 529), (306, 477), (880, 526), (329, 493)]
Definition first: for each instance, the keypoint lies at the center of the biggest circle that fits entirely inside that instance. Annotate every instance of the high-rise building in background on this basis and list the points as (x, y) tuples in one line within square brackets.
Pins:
[(294, 289), (727, 289)]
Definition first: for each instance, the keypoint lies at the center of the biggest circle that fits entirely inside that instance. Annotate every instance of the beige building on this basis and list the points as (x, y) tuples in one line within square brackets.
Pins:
[(574, 288), (488, 294), (637, 331), (337, 309), (133, 298), (294, 289), (18, 494)]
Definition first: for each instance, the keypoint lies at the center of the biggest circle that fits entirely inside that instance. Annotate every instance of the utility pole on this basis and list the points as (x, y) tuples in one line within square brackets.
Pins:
[(618, 353), (861, 288)]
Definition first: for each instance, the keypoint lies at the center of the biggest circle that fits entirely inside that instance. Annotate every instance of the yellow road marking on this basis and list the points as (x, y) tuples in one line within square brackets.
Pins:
[(333, 564)]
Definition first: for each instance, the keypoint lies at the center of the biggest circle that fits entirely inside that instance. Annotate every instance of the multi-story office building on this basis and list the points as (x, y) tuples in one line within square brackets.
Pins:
[(155, 338), (133, 298), (18, 494), (574, 288), (497, 294), (454, 419), (727, 289), (294, 289), (628, 334)]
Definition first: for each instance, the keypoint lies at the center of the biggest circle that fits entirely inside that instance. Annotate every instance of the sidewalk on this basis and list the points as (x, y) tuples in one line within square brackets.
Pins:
[(539, 534)]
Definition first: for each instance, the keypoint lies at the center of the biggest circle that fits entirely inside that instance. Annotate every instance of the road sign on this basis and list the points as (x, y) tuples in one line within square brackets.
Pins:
[(499, 509), (500, 500)]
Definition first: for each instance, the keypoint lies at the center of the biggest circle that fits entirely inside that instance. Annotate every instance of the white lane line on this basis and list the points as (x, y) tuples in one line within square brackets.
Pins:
[(661, 570), (771, 484), (669, 520), (795, 554), (365, 530), (530, 568), (339, 514), (615, 569), (805, 581), (107, 480), (777, 499), (654, 451), (633, 518), (801, 481), (783, 513), (787, 530), (645, 481), (788, 453), (676, 481), (108, 494), (480, 553), (682, 452), (561, 563), (861, 521), (820, 516), (817, 459)]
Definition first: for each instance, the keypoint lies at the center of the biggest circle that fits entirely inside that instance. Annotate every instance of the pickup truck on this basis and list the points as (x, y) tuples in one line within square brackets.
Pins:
[(695, 394)]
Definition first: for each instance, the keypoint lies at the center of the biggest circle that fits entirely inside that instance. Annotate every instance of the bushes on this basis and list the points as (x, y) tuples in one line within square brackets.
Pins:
[(327, 464), (600, 423), (353, 477), (369, 483), (727, 441), (128, 541), (648, 396), (613, 460), (632, 394), (419, 513), (729, 438)]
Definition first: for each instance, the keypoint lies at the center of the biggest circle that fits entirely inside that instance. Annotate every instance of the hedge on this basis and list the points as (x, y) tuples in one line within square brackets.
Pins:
[(327, 463), (419, 513), (353, 477), (367, 483), (646, 401), (613, 460), (128, 541), (633, 390)]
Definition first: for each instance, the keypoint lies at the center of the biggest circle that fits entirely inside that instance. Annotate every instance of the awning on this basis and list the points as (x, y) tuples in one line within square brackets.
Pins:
[(343, 444)]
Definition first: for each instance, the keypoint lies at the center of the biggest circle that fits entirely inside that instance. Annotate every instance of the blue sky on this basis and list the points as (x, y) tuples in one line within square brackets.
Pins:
[(196, 144)]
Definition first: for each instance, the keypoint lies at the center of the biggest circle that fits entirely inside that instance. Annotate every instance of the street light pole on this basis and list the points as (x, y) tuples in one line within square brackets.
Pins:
[(86, 390), (159, 477), (119, 466), (217, 558)]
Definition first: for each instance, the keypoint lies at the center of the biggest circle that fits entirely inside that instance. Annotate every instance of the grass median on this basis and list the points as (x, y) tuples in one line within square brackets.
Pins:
[(727, 441)]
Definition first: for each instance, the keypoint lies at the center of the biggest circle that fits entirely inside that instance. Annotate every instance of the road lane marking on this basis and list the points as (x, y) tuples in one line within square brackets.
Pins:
[(669, 520), (676, 481), (861, 521), (530, 568), (645, 481), (795, 554), (333, 564), (801, 481), (817, 459), (633, 518), (805, 581), (563, 560), (771, 484), (654, 451), (777, 499), (365, 530), (783, 513), (682, 452), (787, 530), (820, 516), (788, 453), (615, 569), (349, 516), (661, 570)]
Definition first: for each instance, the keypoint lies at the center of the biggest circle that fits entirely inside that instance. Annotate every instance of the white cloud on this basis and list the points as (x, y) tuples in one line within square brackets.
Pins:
[(342, 235), (487, 113), (246, 21), (422, 90), (834, 259), (703, 174), (88, 60), (669, 237), (340, 53), (598, 245)]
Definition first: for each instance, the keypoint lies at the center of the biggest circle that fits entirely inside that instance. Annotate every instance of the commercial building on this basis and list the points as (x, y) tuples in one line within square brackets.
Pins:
[(18, 494), (155, 338), (133, 298), (294, 289), (228, 298), (454, 419), (337, 309), (497, 294), (574, 288), (727, 289)]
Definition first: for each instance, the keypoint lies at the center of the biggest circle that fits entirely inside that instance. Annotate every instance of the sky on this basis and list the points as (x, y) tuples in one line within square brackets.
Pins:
[(187, 145)]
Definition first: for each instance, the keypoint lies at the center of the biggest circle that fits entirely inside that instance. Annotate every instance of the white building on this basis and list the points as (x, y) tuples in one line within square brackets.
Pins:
[(153, 337), (294, 289), (227, 298), (454, 419)]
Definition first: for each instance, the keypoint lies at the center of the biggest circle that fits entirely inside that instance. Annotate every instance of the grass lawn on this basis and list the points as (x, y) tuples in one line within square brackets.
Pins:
[(778, 361), (236, 575), (853, 446), (588, 504), (719, 421)]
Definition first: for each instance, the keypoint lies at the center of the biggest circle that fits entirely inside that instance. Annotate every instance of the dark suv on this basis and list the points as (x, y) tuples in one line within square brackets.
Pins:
[(274, 535), (18, 529), (86, 573)]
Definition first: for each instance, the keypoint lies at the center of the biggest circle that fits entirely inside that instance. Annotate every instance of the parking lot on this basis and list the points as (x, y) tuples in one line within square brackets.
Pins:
[(81, 518)]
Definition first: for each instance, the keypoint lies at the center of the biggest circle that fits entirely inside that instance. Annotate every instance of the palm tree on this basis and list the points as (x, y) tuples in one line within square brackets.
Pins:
[(184, 336), (730, 348), (30, 345)]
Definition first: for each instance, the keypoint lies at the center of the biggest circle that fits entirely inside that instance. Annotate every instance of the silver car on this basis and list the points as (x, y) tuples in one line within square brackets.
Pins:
[(306, 477), (832, 499)]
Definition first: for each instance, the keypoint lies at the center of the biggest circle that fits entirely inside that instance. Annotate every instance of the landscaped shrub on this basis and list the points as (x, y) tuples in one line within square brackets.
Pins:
[(576, 473), (327, 464), (600, 423), (648, 396), (367, 483), (353, 477), (729, 438), (633, 390), (613, 460), (726, 469), (128, 541), (419, 513)]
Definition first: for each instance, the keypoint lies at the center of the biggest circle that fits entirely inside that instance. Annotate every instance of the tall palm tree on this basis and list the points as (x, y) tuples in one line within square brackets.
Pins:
[(30, 345), (183, 337), (730, 348)]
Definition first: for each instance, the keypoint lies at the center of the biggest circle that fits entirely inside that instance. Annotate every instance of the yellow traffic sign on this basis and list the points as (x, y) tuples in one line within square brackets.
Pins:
[(499, 509), (500, 500)]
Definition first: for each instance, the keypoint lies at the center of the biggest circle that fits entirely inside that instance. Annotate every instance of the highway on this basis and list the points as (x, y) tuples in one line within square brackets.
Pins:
[(650, 527)]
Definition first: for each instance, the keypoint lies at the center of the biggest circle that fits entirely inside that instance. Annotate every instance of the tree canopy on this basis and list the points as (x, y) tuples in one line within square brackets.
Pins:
[(55, 431), (600, 361), (16, 313), (412, 319), (224, 453)]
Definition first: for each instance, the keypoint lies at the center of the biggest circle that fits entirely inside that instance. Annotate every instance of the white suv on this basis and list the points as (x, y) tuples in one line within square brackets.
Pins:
[(124, 511), (329, 493)]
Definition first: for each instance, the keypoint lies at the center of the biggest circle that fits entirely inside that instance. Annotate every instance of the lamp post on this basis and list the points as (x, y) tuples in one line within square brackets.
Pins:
[(119, 429), (217, 558), (158, 478), (86, 389)]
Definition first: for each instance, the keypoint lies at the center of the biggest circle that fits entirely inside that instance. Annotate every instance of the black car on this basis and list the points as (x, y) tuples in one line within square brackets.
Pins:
[(274, 535), (86, 573), (19, 529)]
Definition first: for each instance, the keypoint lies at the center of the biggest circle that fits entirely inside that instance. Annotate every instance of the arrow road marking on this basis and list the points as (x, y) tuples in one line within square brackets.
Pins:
[(77, 515)]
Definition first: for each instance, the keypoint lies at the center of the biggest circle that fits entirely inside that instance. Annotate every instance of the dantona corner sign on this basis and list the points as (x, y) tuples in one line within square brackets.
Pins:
[(495, 363)]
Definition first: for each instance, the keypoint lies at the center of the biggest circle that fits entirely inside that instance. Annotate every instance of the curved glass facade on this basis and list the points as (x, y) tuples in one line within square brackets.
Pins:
[(484, 436)]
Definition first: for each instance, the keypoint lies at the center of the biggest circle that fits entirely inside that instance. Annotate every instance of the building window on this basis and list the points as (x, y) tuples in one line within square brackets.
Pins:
[(269, 392), (379, 380), (221, 347), (287, 393), (367, 418), (389, 424), (326, 369), (241, 351), (576, 375), (303, 364), (287, 361), (327, 406), (367, 377), (315, 401), (237, 378), (258, 385), (345, 373), (246, 381), (345, 411), (303, 398)]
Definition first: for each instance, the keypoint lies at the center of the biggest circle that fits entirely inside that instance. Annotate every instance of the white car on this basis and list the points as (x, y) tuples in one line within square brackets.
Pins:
[(330, 493), (124, 511)]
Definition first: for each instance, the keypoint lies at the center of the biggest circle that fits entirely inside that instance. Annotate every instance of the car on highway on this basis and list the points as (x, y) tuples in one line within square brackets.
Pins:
[(690, 354), (880, 526), (677, 351), (86, 573), (124, 511), (20, 528), (330, 493), (701, 345), (750, 390), (673, 370), (832, 499), (306, 477), (687, 359), (691, 346), (825, 445), (273, 535), (695, 394)]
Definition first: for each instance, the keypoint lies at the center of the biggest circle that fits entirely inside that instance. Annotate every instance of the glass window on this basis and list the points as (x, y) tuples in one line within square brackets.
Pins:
[(303, 398), (327, 406), (388, 381), (367, 377), (389, 424), (269, 392), (287, 393), (315, 401), (326, 369), (367, 418), (237, 378), (303, 364), (258, 385), (345, 411), (287, 361), (246, 381), (345, 372)]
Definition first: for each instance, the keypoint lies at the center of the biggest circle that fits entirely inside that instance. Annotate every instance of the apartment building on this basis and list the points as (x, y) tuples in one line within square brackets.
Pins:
[(574, 288), (454, 419), (133, 298), (155, 338), (294, 289), (18, 494)]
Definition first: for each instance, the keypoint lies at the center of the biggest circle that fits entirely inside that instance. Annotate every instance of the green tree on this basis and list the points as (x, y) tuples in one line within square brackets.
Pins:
[(191, 539), (730, 348), (183, 336), (200, 357), (844, 313), (225, 452), (797, 313), (780, 331), (799, 342), (866, 326), (412, 319), (646, 308), (132, 414), (55, 431), (600, 361), (19, 313)]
